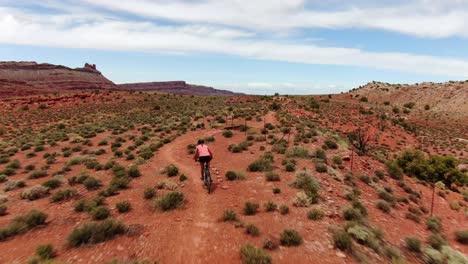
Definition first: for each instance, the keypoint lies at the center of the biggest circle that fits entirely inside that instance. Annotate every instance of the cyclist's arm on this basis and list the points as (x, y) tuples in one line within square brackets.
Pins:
[(195, 157)]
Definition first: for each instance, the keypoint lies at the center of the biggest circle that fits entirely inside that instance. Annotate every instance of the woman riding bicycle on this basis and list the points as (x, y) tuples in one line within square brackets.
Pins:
[(203, 154)]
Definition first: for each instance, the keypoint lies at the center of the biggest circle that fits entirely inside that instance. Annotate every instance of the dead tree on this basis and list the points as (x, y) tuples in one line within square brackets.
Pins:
[(360, 139)]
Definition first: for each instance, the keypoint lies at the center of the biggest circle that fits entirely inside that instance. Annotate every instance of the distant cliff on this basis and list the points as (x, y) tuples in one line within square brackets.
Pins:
[(176, 87), (26, 78)]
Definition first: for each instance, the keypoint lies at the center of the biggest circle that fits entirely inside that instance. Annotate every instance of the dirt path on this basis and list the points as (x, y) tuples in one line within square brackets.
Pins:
[(190, 235)]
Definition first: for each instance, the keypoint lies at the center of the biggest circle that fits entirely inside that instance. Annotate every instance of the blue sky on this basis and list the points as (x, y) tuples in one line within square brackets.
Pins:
[(262, 46)]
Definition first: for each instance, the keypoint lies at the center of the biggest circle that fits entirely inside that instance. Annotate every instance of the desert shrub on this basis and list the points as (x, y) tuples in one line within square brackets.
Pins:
[(290, 237), (262, 164), (352, 214), (250, 208), (3, 178), (22, 224), (365, 236), (252, 230), (321, 155), (272, 176), (342, 240), (252, 255), (270, 206), (394, 170), (91, 183), (171, 170), (393, 254), (133, 172), (235, 175), (276, 190), (95, 232), (87, 206), (37, 174), (120, 182), (305, 181), (386, 196), (462, 236), (269, 243), (149, 193), (413, 217), (434, 223), (170, 201), (227, 133), (63, 195), (183, 177), (229, 215), (413, 244), (35, 192), (321, 167), (13, 184), (45, 252), (298, 152), (123, 206), (365, 178), (290, 167), (3, 209), (360, 207), (337, 160), (52, 184), (284, 209), (301, 199), (436, 241), (383, 206), (100, 212), (380, 174), (315, 214), (329, 144)]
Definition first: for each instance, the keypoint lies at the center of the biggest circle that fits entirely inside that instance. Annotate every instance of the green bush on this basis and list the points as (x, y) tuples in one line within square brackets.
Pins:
[(413, 217), (270, 206), (3, 209), (436, 241), (62, 195), (95, 232), (252, 255), (329, 144), (352, 214), (231, 176), (413, 244), (227, 133), (321, 167), (37, 174), (22, 224), (342, 240), (434, 223), (383, 206), (284, 209), (462, 236), (35, 192), (272, 176), (250, 208), (229, 215), (394, 170), (262, 164), (123, 206), (91, 183), (276, 190), (290, 167), (149, 193), (170, 201), (171, 170), (298, 152), (100, 212), (315, 214), (252, 230), (133, 172), (290, 237), (269, 243), (52, 184), (45, 252)]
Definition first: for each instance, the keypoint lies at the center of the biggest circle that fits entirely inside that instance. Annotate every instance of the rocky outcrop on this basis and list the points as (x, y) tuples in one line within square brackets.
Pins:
[(449, 97), (176, 87), (26, 78)]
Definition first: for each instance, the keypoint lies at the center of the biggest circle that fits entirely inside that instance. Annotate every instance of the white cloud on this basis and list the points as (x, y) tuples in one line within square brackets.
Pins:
[(424, 18), (75, 31)]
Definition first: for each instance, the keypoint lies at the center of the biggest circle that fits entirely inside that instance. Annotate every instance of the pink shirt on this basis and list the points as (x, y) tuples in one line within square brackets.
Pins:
[(203, 151)]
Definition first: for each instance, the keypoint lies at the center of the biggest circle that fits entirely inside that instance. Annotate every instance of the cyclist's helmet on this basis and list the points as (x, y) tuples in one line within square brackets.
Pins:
[(201, 141)]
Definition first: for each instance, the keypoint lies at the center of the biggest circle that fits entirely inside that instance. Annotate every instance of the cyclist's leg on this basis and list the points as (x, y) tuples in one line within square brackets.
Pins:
[(202, 172)]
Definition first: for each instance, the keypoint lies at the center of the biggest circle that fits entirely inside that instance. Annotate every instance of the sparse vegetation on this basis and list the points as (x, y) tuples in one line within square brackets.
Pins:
[(95, 232), (252, 255), (290, 237), (170, 201)]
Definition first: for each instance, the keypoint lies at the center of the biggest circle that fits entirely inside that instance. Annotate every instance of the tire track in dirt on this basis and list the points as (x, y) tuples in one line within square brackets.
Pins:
[(190, 234)]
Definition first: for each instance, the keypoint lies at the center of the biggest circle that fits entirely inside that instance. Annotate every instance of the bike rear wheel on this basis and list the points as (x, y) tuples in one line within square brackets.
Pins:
[(207, 178)]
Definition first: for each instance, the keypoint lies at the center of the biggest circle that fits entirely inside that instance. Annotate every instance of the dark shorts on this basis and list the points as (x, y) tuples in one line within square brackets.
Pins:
[(204, 159)]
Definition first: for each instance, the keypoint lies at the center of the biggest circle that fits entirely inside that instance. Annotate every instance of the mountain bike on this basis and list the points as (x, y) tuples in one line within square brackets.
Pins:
[(207, 176)]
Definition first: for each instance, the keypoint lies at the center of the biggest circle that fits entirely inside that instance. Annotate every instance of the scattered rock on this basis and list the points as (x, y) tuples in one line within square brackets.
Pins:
[(340, 254)]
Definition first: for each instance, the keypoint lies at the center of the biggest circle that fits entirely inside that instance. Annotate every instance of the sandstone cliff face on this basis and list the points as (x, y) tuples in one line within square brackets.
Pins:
[(176, 87), (26, 78)]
